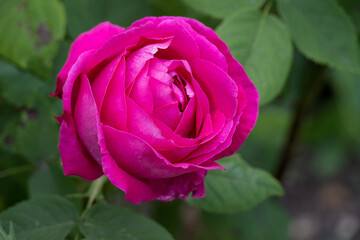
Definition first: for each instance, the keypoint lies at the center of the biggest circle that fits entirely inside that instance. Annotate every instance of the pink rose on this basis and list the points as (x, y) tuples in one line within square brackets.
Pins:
[(152, 106)]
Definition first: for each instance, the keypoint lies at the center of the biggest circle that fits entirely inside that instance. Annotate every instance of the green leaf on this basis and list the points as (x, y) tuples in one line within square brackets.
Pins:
[(221, 9), (86, 14), (16, 86), (111, 223), (261, 43), (267, 138), (44, 218), (4, 235), (9, 122), (323, 32), (347, 88), (30, 31), (50, 179), (40, 125), (353, 9), (238, 188), (271, 217)]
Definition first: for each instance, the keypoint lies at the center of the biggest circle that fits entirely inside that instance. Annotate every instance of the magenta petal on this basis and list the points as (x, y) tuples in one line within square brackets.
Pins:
[(161, 93), (168, 114), (179, 187), (186, 124), (135, 190), (246, 122), (220, 89), (138, 158), (141, 92), (93, 39), (75, 159), (237, 72), (86, 118), (141, 125), (114, 110), (73, 75), (183, 44), (207, 151), (135, 62), (101, 82), (119, 43)]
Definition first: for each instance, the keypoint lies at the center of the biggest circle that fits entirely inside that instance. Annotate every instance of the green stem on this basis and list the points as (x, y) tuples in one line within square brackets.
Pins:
[(310, 93), (95, 189), (15, 170), (77, 195)]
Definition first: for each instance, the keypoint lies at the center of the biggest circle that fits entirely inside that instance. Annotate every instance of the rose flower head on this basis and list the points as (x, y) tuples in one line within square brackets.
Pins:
[(152, 106)]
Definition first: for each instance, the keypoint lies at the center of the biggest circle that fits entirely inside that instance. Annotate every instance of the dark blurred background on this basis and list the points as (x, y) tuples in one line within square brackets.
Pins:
[(308, 137)]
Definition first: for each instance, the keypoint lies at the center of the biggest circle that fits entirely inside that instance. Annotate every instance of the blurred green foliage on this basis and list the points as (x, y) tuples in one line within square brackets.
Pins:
[(303, 57)]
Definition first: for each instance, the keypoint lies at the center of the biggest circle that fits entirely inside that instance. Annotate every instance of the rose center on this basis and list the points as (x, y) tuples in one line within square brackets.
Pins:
[(182, 91)]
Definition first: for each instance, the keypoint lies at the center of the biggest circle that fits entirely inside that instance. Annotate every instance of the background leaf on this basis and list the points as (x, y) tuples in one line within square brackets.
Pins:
[(267, 138), (352, 7), (322, 31), (238, 188), (221, 9), (4, 235), (44, 218), (347, 89), (38, 123), (112, 223), (16, 86), (50, 179), (86, 14), (261, 43), (30, 31)]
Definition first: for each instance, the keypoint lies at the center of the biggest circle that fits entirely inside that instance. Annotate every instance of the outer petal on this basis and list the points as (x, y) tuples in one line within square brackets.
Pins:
[(179, 187), (140, 160), (135, 190), (86, 118), (183, 45), (119, 43), (121, 170), (93, 39), (208, 50), (236, 71), (220, 89), (75, 159)]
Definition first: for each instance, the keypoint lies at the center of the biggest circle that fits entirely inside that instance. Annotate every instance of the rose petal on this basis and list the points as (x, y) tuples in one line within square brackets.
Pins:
[(237, 72), (223, 147), (183, 44), (114, 109), (135, 190), (219, 88), (168, 114), (93, 39), (187, 122), (68, 89), (246, 122), (75, 159), (119, 43), (141, 92), (179, 187), (161, 93), (101, 82), (86, 119), (135, 62), (139, 159)]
